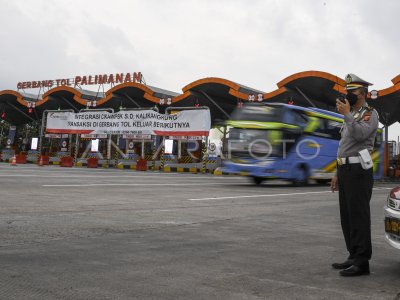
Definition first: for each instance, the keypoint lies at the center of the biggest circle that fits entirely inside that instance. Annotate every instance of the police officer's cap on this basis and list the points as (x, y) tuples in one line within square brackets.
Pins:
[(354, 82)]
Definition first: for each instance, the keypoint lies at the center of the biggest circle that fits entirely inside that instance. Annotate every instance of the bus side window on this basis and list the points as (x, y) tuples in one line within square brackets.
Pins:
[(300, 119), (333, 129)]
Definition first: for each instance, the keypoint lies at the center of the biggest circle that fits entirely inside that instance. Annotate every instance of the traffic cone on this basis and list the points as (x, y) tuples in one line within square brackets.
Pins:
[(41, 161), (14, 161)]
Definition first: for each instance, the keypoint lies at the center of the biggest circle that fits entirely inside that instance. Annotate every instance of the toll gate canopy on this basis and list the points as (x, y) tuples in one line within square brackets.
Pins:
[(222, 96)]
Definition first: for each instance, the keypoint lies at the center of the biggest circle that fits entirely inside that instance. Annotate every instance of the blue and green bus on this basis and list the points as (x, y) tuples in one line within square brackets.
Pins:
[(289, 142)]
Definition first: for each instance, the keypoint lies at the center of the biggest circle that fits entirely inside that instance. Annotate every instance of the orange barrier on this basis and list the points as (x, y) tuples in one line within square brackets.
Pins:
[(141, 165), (92, 162), (66, 161), (21, 158)]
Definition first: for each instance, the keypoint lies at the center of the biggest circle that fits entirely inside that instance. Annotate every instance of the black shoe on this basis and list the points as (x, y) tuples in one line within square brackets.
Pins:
[(355, 271), (343, 265)]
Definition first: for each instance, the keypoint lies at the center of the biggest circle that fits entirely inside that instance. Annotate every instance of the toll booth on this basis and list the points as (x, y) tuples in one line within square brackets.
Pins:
[(137, 151), (184, 153), (137, 147), (20, 142), (7, 145), (93, 150), (394, 159), (187, 152), (214, 153), (56, 146), (50, 148)]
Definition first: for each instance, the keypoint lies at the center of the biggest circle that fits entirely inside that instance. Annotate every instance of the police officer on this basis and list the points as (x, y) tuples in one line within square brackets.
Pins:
[(352, 180)]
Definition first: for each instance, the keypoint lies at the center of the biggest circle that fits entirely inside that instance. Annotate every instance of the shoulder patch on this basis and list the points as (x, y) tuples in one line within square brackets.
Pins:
[(367, 116)]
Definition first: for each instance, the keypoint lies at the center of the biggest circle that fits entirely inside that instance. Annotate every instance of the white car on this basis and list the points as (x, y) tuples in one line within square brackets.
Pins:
[(392, 217)]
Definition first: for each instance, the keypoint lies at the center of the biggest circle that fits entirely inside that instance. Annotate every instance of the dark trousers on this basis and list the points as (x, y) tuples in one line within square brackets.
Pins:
[(355, 190)]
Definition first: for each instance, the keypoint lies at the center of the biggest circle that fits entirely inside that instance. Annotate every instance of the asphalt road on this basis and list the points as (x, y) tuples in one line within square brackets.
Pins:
[(118, 234)]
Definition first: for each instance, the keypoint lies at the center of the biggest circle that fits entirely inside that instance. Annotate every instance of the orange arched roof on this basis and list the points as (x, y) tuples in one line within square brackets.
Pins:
[(340, 88), (148, 93), (217, 80), (11, 92), (153, 94), (75, 92), (396, 79), (19, 97), (181, 97), (77, 95), (234, 88), (319, 74), (390, 90), (139, 86), (275, 93)]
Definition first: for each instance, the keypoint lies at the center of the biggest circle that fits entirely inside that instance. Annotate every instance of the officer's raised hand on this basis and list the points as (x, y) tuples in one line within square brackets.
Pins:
[(343, 107)]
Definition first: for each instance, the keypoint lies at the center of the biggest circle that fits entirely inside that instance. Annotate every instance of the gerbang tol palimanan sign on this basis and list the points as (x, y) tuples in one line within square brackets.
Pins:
[(83, 80)]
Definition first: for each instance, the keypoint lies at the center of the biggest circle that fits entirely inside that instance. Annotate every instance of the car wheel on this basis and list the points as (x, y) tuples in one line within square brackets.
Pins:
[(258, 180), (300, 176)]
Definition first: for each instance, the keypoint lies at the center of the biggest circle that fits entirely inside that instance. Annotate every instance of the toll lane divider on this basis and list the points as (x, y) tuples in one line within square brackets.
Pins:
[(181, 170)]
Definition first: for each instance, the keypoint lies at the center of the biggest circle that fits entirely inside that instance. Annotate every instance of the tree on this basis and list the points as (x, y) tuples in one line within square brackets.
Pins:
[(4, 128), (25, 133)]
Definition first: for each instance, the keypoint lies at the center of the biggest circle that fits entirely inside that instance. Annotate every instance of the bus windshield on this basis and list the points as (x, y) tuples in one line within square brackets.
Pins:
[(255, 143)]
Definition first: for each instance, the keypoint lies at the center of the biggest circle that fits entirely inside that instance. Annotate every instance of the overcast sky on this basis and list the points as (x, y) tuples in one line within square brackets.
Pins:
[(174, 42)]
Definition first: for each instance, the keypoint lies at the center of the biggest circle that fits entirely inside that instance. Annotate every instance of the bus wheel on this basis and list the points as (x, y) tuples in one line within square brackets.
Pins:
[(300, 176), (258, 180), (322, 181)]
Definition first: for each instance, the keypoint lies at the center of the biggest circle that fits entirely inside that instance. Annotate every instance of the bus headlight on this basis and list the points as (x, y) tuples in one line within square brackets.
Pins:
[(264, 163)]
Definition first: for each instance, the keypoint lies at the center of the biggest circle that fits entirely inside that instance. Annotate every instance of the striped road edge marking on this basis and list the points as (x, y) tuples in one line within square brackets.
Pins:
[(181, 170), (269, 195), (104, 166), (166, 169), (129, 167), (220, 173)]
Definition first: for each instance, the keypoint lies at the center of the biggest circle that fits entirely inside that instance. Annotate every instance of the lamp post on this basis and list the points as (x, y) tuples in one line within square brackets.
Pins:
[(386, 149)]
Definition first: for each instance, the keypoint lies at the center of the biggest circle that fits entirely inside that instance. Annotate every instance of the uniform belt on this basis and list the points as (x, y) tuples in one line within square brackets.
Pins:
[(348, 160)]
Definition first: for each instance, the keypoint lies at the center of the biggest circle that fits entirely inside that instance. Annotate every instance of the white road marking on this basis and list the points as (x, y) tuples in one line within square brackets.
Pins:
[(55, 176), (53, 169), (137, 184), (257, 196), (268, 195)]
